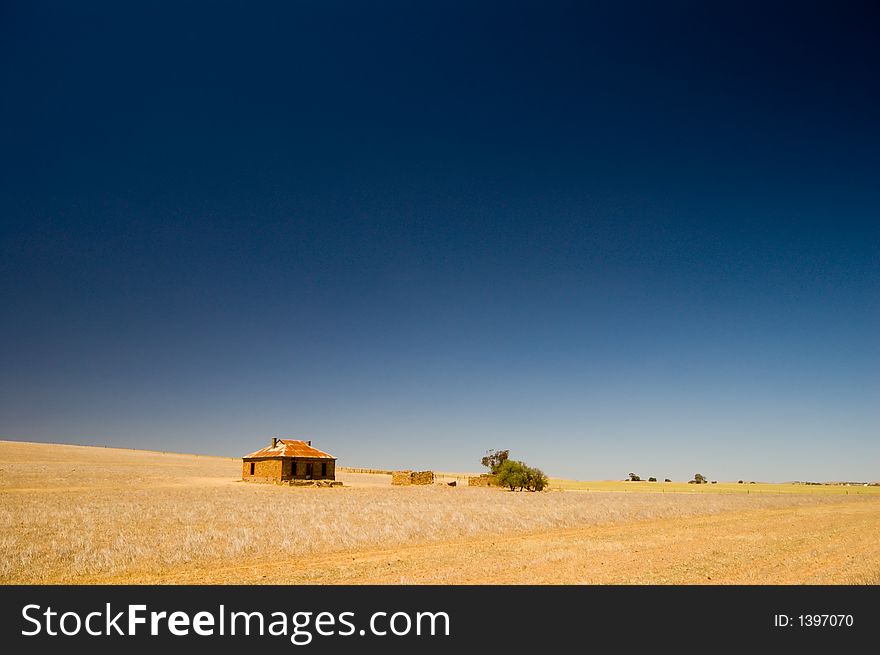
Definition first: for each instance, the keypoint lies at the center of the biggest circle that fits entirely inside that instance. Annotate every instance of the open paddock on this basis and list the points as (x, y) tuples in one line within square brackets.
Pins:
[(73, 514)]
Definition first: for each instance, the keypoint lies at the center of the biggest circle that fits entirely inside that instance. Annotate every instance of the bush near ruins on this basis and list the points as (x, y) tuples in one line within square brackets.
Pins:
[(537, 481), (517, 476)]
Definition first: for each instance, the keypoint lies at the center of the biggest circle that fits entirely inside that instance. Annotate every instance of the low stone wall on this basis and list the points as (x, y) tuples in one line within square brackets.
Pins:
[(484, 480), (294, 482), (412, 477)]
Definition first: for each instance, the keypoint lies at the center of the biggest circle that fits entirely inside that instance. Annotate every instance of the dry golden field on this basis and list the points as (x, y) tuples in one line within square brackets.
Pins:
[(73, 514)]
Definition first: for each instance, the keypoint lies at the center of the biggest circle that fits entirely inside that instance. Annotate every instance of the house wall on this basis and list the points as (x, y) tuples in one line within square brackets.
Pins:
[(299, 472), (276, 470), (265, 470)]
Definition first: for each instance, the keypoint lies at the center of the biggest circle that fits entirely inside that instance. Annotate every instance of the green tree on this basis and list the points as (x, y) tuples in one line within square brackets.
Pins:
[(512, 474), (517, 476), (535, 479), (494, 459), (699, 478), (634, 478)]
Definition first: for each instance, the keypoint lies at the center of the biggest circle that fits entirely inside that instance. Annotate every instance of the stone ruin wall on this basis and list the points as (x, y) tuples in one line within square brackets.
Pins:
[(405, 478)]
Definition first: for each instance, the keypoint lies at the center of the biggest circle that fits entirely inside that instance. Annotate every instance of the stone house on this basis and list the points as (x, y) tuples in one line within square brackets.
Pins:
[(288, 459)]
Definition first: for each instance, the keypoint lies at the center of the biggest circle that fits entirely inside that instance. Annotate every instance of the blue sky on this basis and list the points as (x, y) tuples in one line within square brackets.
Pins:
[(611, 238)]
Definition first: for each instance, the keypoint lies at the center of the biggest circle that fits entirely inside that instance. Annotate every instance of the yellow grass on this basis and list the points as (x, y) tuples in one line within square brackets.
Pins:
[(83, 515)]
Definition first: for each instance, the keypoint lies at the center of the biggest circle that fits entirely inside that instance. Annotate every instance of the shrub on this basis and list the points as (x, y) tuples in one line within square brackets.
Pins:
[(516, 475), (739, 482), (511, 474), (634, 478), (535, 479), (652, 479), (667, 480)]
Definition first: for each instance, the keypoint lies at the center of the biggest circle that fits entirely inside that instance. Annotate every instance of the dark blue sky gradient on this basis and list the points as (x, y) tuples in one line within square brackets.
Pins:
[(620, 237)]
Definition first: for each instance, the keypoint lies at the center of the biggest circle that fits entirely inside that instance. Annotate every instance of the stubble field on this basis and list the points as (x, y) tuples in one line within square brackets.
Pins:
[(73, 514)]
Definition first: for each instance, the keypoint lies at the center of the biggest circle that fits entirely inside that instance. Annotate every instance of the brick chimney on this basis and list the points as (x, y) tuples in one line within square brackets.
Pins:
[(274, 442), (309, 442)]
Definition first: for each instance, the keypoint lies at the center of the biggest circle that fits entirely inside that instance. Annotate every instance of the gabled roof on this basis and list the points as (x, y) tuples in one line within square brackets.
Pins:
[(290, 448)]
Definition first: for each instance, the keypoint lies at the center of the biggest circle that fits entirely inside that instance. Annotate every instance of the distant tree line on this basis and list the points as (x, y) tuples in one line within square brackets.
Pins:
[(632, 477), (699, 478)]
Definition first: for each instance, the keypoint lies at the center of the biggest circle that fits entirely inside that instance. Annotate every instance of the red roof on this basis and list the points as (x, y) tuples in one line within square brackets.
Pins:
[(290, 448)]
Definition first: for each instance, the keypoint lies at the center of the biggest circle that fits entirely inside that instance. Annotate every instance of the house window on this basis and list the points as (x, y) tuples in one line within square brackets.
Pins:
[(323, 469), (252, 468)]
